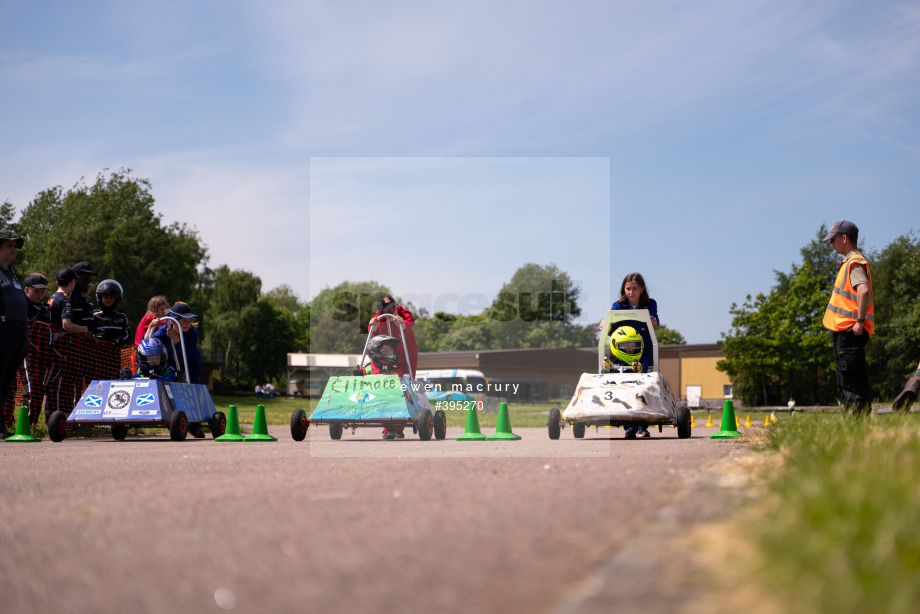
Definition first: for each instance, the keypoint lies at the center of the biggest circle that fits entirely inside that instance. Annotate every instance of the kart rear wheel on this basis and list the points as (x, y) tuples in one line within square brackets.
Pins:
[(218, 424), (299, 424), (440, 424), (554, 422), (425, 424), (178, 426), (57, 425), (335, 431), (578, 429), (119, 432), (683, 422)]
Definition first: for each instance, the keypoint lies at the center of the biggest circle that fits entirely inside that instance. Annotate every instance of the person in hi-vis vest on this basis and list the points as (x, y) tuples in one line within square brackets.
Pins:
[(850, 315)]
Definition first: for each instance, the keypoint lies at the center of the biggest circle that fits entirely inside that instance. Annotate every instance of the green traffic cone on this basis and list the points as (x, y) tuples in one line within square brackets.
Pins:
[(233, 427), (503, 427), (729, 428), (23, 429), (472, 426), (260, 427)]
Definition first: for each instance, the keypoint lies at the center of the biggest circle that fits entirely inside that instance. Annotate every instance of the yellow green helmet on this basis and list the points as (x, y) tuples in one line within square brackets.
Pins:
[(626, 344)]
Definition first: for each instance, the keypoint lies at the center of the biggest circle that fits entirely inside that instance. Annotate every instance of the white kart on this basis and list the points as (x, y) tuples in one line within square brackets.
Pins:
[(621, 395)]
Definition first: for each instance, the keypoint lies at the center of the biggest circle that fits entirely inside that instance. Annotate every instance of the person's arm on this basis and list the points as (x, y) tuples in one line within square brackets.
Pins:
[(653, 312), (862, 306), (70, 327)]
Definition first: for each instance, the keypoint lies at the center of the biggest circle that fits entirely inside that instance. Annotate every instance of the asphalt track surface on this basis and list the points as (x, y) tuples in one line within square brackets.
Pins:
[(357, 525)]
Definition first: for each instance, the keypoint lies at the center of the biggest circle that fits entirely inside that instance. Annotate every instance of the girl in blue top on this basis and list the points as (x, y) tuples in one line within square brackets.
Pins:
[(634, 295)]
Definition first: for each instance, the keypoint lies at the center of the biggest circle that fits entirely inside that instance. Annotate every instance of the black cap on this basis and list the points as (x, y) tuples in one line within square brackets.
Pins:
[(36, 280), (7, 234), (843, 227), (181, 310), (65, 276), (385, 302), (82, 268)]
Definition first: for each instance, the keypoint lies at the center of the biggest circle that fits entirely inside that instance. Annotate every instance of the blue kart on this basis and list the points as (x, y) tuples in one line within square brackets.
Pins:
[(142, 402)]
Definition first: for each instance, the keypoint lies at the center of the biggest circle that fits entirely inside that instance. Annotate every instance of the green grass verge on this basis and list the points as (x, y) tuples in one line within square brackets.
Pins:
[(842, 534)]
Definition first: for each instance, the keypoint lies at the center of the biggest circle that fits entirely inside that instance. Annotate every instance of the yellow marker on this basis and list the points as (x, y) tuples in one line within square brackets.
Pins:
[(747, 421), (766, 421), (709, 423)]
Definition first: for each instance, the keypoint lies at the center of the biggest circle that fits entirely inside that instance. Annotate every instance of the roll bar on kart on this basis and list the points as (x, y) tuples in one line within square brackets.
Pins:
[(185, 371), (402, 340)]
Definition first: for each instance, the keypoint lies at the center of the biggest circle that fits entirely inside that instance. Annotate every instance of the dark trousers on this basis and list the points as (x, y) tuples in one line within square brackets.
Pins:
[(14, 341), (852, 376)]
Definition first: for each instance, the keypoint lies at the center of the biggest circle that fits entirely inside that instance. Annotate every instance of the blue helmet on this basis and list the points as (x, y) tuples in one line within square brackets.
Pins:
[(151, 356)]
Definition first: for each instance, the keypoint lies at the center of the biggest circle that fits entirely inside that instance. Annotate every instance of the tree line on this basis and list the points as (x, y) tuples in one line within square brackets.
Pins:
[(777, 347), (112, 224)]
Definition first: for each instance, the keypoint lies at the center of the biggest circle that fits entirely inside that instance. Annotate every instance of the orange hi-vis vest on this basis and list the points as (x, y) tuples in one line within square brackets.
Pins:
[(843, 310)]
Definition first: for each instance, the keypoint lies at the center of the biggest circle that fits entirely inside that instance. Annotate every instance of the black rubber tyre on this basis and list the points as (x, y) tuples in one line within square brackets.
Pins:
[(440, 424), (683, 422), (554, 424), (57, 425), (299, 424), (335, 430), (178, 426), (217, 424), (425, 424), (119, 432), (578, 429)]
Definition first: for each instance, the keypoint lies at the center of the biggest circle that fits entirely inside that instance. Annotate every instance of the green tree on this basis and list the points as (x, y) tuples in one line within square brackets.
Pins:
[(669, 336), (537, 308), (8, 215), (265, 336), (339, 316), (777, 346), (894, 350), (112, 225)]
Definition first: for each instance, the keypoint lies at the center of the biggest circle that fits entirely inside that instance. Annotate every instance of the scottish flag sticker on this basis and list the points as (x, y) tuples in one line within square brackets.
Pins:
[(144, 399), (94, 401)]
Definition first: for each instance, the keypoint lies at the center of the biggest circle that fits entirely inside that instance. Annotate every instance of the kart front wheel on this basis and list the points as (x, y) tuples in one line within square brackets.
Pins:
[(119, 432), (178, 426), (57, 424), (440, 424), (335, 431), (553, 424), (299, 424), (578, 429), (218, 424), (425, 424), (683, 422)]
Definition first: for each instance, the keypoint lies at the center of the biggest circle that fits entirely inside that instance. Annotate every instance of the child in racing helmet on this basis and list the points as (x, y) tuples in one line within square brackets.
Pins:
[(152, 361), (110, 324), (382, 352), (626, 345)]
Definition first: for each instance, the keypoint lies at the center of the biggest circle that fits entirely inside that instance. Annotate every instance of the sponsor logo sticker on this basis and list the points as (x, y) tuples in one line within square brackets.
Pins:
[(94, 401), (85, 412), (361, 397)]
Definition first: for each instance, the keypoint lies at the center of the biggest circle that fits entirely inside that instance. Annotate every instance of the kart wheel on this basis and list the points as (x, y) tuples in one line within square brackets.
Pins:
[(57, 425), (299, 424), (578, 429), (218, 424), (553, 424), (425, 424), (440, 424), (335, 431), (119, 432), (178, 426), (683, 422)]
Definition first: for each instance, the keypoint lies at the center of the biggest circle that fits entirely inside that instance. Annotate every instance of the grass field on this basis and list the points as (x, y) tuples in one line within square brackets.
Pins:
[(840, 533)]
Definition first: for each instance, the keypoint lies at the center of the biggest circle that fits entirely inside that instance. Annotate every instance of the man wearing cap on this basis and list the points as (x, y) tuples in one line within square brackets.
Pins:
[(14, 313), (850, 315), (65, 281), (169, 337), (38, 357)]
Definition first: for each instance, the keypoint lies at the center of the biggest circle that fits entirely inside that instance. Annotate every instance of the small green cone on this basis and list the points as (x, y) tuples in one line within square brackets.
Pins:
[(503, 427), (260, 427), (23, 429), (233, 427), (728, 429), (472, 426)]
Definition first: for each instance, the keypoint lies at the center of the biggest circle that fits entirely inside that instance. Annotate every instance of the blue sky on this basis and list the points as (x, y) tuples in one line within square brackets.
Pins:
[(726, 132)]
